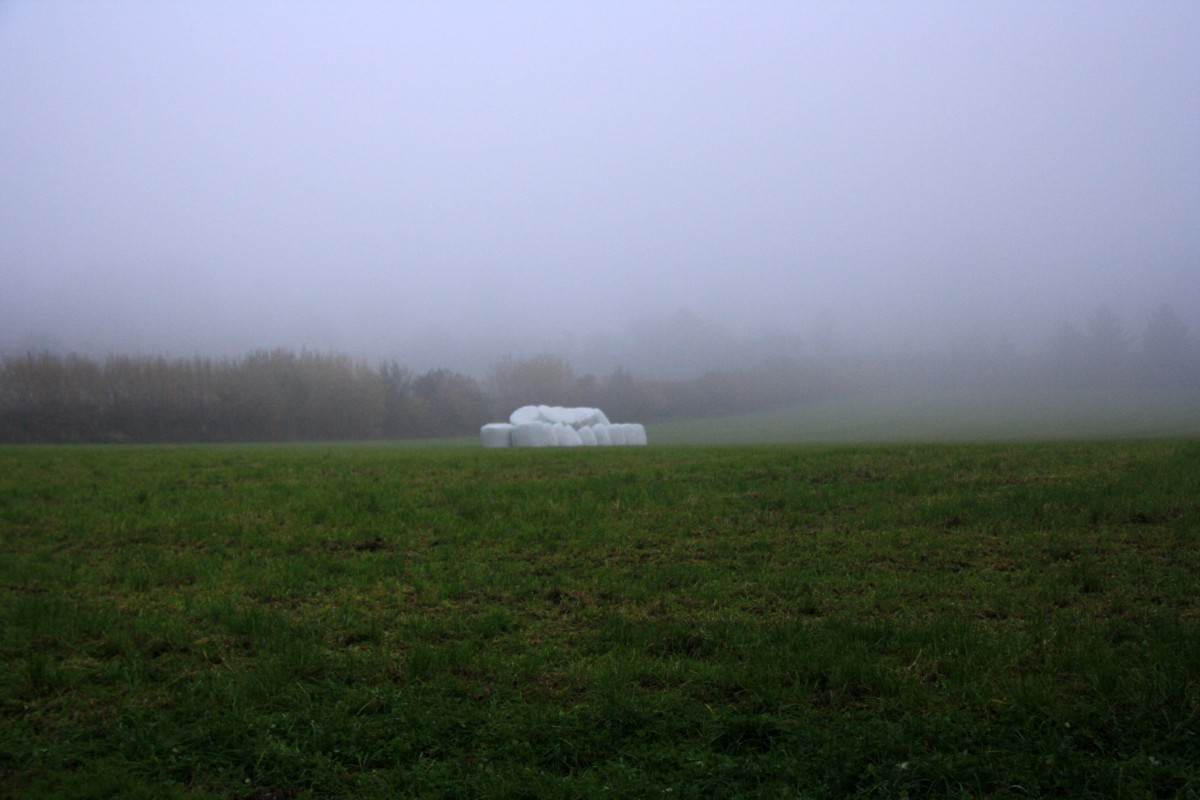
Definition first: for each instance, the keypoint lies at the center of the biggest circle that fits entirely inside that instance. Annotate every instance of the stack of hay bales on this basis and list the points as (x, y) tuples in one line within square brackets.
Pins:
[(555, 426)]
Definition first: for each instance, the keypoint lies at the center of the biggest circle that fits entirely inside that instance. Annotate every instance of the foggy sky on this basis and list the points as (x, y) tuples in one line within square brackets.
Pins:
[(372, 178)]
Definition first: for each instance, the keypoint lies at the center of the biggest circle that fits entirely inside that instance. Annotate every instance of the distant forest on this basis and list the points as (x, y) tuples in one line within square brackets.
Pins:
[(279, 395)]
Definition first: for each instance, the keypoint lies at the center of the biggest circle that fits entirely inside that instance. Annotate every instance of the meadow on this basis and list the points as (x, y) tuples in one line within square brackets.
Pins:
[(1004, 619), (922, 415)]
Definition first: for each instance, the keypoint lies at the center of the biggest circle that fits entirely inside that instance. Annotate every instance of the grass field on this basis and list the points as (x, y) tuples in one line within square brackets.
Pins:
[(952, 417), (953, 620)]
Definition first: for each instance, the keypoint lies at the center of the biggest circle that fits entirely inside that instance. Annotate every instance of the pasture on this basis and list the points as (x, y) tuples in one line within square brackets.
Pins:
[(1015, 619), (953, 416)]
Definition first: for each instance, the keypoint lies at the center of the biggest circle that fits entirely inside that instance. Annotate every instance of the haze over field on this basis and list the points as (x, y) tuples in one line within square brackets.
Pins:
[(444, 183)]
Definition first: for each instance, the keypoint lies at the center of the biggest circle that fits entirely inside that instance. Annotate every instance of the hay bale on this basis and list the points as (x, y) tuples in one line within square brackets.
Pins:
[(617, 434), (567, 436), (533, 434), (635, 433), (523, 415), (496, 434), (575, 417)]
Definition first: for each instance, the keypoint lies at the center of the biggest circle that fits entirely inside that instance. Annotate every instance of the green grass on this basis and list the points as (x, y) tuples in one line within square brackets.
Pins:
[(951, 417), (983, 620)]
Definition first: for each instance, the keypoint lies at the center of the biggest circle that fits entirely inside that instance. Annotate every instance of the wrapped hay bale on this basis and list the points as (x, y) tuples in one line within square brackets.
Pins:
[(523, 415), (575, 416), (617, 434), (587, 436), (496, 434), (635, 433), (601, 434), (592, 416), (533, 434), (567, 436)]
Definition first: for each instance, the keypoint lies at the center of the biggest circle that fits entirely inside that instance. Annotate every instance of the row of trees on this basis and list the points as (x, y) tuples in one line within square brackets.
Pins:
[(279, 395), (268, 396)]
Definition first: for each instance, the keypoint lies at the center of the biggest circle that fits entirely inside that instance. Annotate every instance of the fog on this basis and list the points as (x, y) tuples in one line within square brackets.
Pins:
[(447, 183)]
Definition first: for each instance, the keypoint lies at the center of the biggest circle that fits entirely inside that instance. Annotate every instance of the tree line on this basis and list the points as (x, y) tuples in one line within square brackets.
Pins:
[(280, 395)]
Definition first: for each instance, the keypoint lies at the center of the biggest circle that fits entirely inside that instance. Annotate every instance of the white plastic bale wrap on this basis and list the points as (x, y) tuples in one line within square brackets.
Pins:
[(635, 433), (556, 426), (533, 434), (567, 436), (496, 434), (575, 417), (523, 415)]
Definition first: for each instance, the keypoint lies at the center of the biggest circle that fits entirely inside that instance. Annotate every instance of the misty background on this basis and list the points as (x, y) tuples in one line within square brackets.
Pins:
[(669, 187)]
